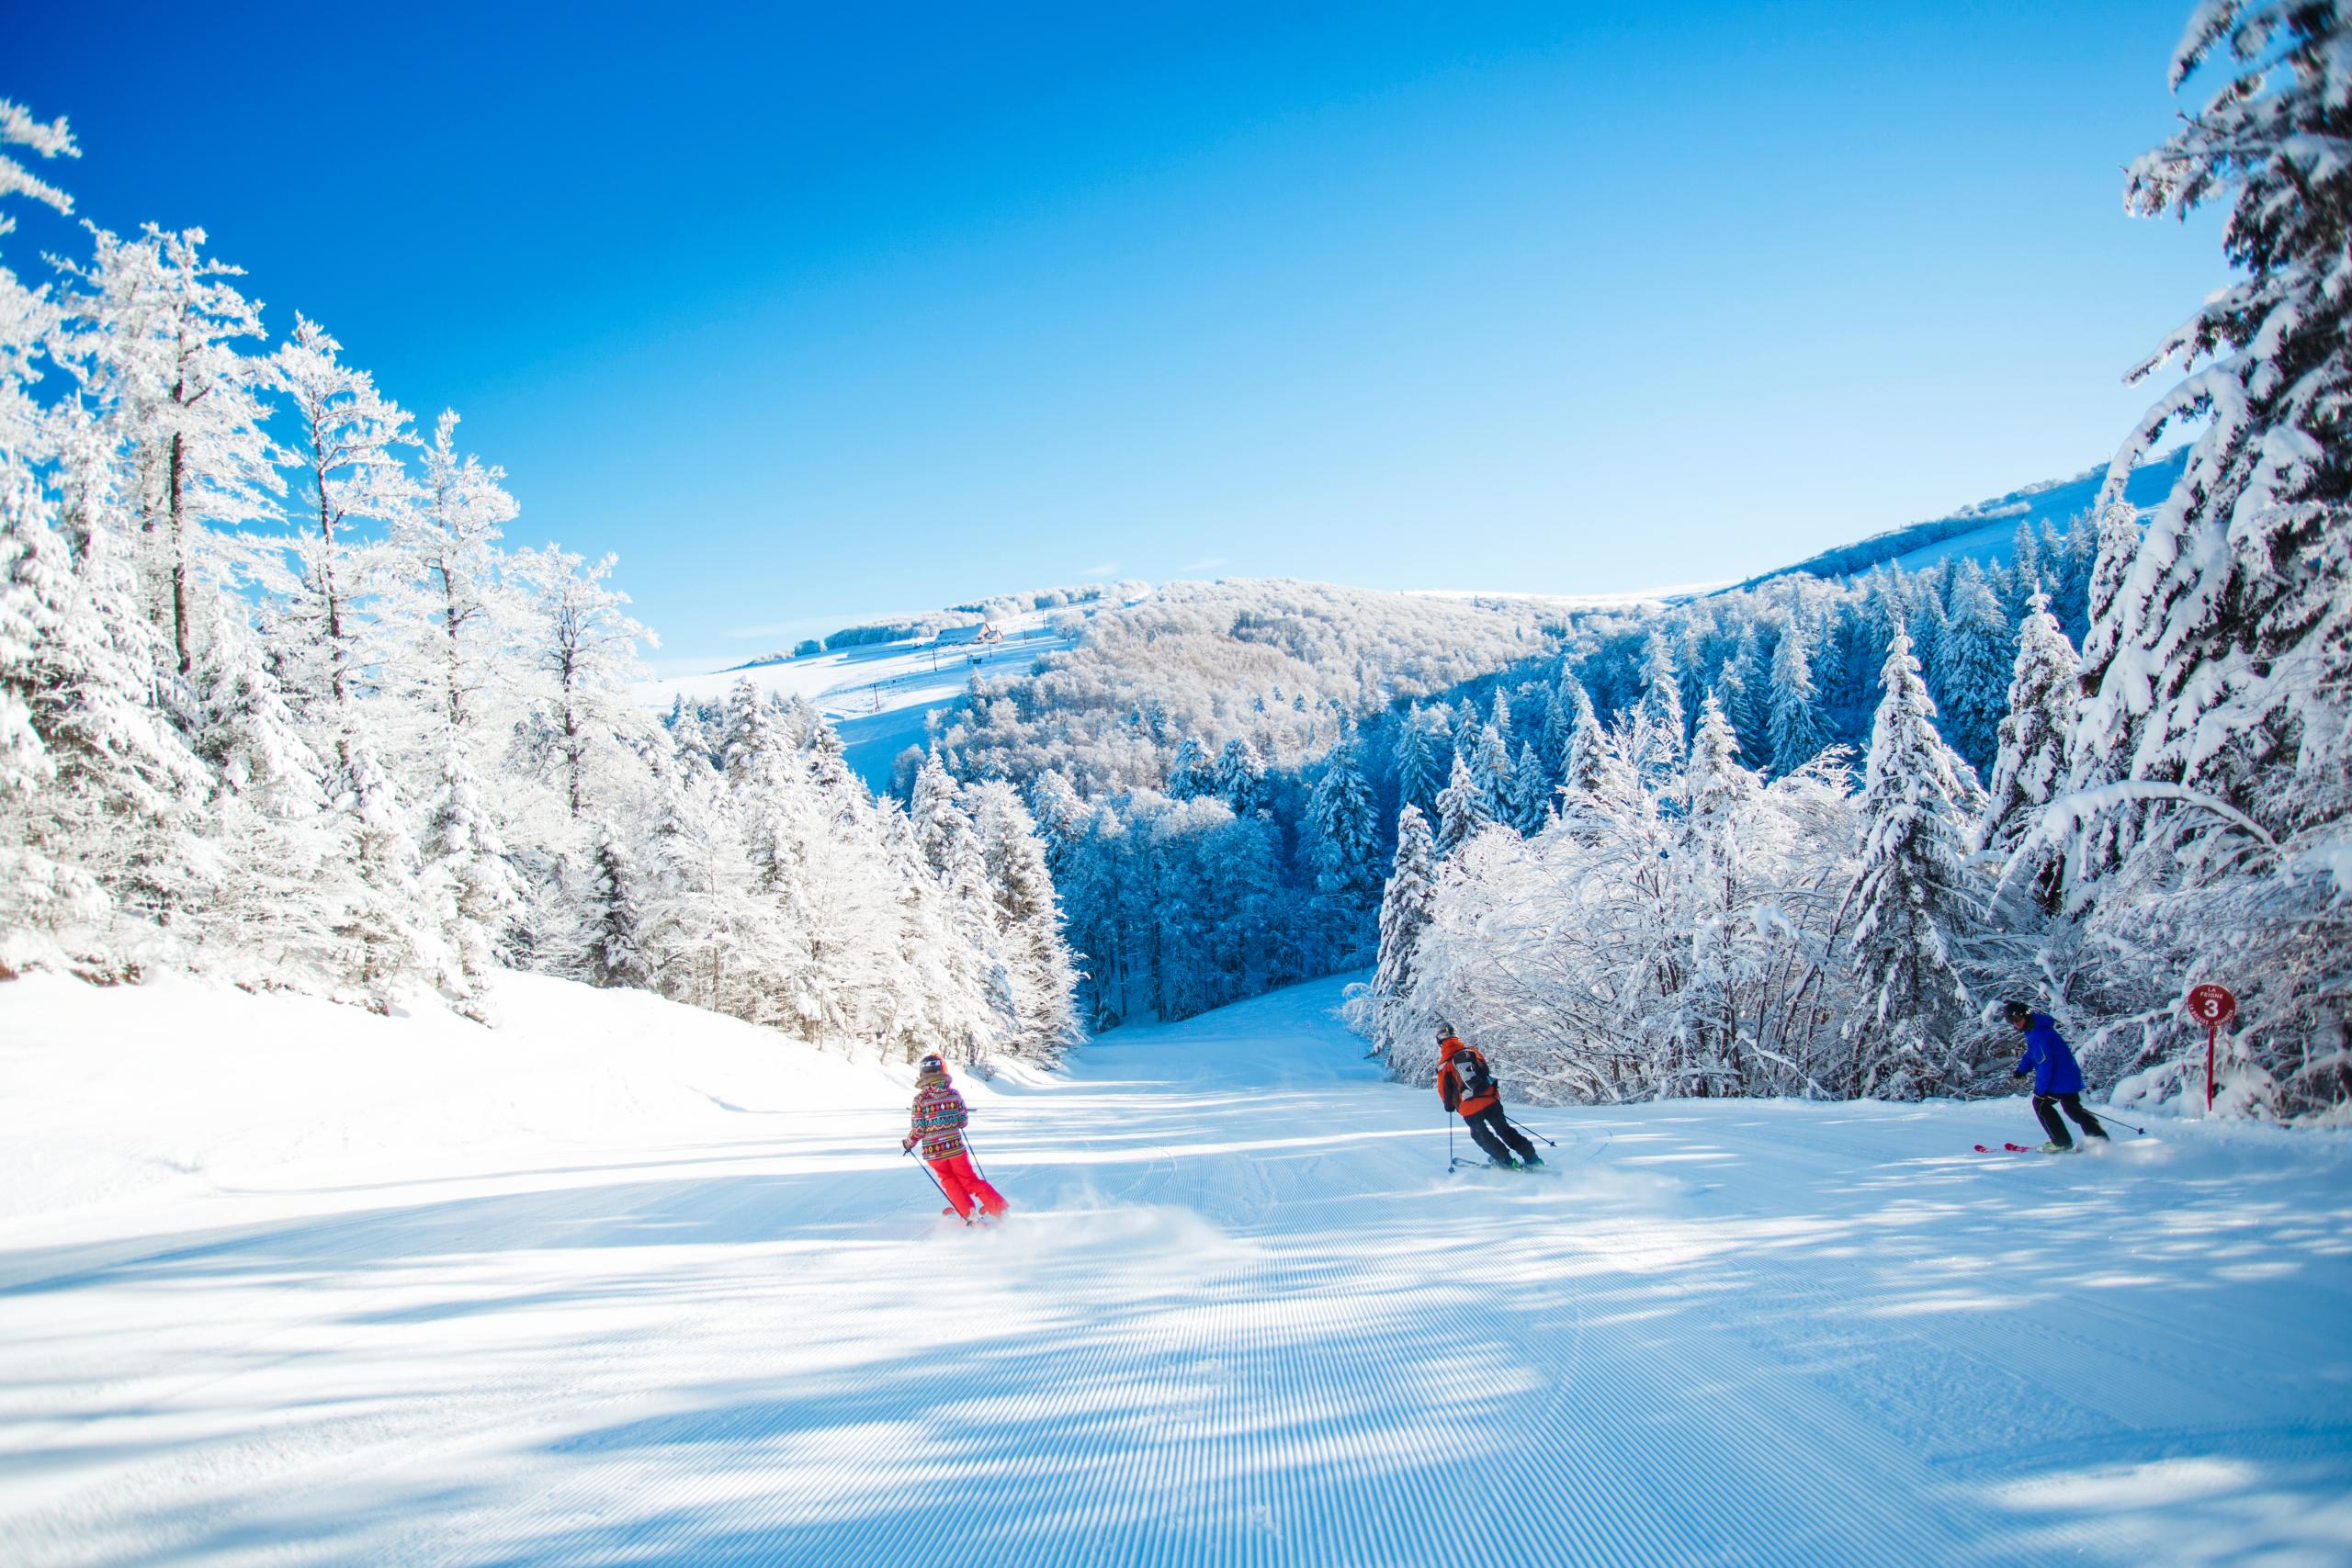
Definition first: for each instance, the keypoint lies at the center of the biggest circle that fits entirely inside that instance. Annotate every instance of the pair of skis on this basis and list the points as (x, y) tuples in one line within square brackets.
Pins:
[(2011, 1148)]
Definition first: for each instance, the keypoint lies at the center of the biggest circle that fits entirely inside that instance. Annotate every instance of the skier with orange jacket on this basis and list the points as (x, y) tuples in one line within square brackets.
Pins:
[(938, 1124), (1467, 1086)]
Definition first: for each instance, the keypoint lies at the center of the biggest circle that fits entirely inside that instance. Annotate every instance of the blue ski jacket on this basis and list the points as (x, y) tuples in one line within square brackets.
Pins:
[(2048, 1059)]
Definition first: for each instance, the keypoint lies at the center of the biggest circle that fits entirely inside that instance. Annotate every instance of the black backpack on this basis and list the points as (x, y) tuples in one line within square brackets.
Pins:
[(1471, 1075)]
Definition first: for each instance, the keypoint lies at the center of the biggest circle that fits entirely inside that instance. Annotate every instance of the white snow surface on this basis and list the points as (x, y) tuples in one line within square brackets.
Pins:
[(618, 1281)]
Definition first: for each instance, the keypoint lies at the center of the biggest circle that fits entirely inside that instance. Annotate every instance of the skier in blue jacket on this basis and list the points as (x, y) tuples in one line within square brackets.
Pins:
[(2057, 1078)]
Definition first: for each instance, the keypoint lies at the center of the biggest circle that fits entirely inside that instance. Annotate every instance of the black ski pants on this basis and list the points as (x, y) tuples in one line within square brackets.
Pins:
[(1497, 1136), (2047, 1106)]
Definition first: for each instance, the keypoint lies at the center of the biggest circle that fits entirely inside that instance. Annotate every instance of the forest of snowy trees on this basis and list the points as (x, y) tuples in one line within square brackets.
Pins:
[(1803, 838), (278, 703)]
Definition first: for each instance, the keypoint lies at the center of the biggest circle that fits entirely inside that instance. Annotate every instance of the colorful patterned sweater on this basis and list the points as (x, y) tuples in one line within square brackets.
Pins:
[(939, 1117)]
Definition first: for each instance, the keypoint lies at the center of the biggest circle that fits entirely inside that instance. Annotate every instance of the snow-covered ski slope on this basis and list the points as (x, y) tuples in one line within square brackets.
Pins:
[(628, 1284)]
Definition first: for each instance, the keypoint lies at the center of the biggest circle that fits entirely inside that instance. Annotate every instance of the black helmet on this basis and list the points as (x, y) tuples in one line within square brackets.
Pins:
[(2017, 1013)]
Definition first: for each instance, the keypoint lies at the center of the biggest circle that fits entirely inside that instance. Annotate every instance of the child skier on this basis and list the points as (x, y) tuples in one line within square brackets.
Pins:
[(939, 1118), (2057, 1079), (1467, 1085)]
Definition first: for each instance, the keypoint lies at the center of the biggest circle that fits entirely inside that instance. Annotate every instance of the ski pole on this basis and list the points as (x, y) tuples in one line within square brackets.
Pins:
[(909, 1150), (2098, 1115), (1529, 1132)]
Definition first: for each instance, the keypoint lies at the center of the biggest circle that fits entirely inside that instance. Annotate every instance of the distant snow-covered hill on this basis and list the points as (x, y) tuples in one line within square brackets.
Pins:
[(1985, 530)]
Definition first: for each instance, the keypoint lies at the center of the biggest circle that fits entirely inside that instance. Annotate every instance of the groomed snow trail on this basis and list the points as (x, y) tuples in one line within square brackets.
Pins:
[(1241, 1317)]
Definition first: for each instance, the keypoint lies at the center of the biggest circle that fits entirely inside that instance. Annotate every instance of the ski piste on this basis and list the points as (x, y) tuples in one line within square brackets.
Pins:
[(685, 1307)]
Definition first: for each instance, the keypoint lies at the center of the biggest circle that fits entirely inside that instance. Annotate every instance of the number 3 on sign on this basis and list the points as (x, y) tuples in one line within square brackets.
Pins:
[(2211, 1006)]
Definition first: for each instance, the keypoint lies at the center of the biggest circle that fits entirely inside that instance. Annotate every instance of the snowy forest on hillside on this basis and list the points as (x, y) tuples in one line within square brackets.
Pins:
[(1800, 839), (278, 704)]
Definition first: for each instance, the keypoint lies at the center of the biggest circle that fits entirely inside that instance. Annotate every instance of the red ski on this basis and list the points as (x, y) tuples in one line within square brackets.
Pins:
[(2012, 1148)]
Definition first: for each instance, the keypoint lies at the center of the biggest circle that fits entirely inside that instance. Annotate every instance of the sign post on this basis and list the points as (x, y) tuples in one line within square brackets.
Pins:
[(2211, 1006)]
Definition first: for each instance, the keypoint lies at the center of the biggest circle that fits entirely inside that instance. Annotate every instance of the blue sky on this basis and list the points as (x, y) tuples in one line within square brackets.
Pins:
[(818, 312)]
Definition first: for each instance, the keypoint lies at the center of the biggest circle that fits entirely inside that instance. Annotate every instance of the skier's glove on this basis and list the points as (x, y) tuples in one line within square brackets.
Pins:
[(906, 1142)]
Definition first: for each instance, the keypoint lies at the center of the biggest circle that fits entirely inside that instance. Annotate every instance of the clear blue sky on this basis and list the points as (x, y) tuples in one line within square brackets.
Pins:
[(818, 312)]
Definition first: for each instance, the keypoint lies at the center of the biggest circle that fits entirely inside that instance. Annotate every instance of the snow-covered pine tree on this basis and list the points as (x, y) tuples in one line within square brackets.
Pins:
[(468, 876), (1240, 780), (1977, 651), (1745, 688), (616, 950), (1420, 758), (1662, 697), (1404, 914), (2031, 765), (1490, 767), (1463, 810), (110, 787), (1343, 848), (1798, 729), (1719, 794), (392, 922), (1916, 903), (1036, 954), (2222, 669), (1190, 774), (1527, 795)]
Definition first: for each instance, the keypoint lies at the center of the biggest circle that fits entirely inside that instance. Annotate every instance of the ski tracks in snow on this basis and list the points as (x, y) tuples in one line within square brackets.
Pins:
[(1241, 1317)]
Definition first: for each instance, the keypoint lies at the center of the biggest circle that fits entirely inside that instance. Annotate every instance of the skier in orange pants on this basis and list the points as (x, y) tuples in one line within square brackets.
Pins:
[(938, 1125)]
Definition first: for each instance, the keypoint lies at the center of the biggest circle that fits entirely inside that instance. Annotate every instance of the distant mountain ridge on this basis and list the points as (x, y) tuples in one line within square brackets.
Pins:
[(1984, 530)]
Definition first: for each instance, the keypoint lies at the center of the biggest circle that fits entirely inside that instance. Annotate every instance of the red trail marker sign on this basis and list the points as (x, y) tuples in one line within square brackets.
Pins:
[(2211, 1006)]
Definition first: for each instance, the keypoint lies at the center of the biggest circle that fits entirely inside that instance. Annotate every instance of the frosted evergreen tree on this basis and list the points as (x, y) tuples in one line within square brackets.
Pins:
[(1190, 774), (1241, 777), (2220, 669), (1719, 794), (107, 787), (1343, 849), (1498, 716), (1490, 767), (1463, 809), (1527, 795), (1404, 914), (283, 884), (1580, 765), (1037, 957), (933, 814), (615, 951), (2030, 768), (1916, 901), (1799, 729), (466, 867), (1420, 760), (2028, 572), (391, 922), (1744, 689), (1662, 694), (1977, 652)]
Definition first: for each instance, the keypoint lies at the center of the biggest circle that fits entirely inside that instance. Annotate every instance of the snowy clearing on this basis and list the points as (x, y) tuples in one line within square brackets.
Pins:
[(878, 693), (627, 1282)]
